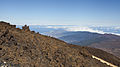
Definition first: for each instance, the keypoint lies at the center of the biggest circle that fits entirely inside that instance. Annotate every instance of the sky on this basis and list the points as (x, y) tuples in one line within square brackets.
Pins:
[(61, 12)]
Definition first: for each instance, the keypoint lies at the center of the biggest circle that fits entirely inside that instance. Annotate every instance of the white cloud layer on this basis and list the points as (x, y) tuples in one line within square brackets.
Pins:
[(84, 29), (81, 28), (76, 28)]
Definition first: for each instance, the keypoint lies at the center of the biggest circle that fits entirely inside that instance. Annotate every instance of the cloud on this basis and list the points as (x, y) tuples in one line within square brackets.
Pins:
[(84, 29), (57, 27), (81, 28), (76, 28), (117, 28)]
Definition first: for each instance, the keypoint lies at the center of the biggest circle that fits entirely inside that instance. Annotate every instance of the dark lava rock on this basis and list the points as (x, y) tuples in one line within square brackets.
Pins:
[(29, 49)]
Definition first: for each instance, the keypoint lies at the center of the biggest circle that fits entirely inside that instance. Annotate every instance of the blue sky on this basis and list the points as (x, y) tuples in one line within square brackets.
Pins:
[(68, 12)]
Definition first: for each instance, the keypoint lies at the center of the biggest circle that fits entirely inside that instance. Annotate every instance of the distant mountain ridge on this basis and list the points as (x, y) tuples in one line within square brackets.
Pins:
[(106, 42)]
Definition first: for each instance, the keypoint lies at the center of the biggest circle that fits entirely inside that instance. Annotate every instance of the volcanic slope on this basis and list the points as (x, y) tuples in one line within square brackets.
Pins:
[(25, 48)]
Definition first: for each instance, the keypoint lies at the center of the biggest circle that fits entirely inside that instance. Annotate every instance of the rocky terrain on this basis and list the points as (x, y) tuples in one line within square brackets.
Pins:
[(25, 48)]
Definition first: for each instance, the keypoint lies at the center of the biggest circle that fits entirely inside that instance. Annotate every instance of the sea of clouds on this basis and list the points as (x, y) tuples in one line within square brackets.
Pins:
[(101, 30), (96, 29)]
